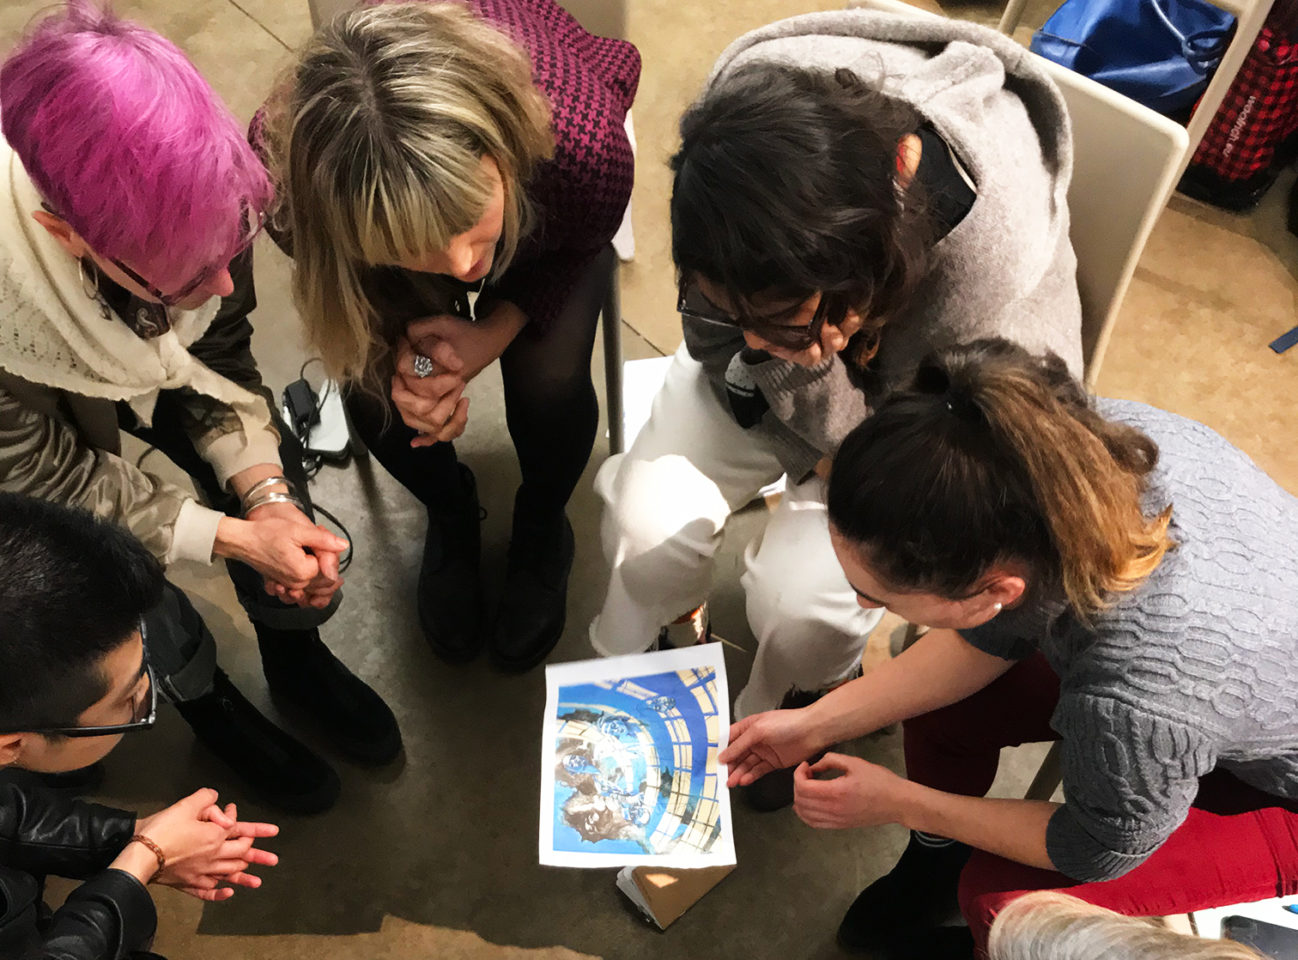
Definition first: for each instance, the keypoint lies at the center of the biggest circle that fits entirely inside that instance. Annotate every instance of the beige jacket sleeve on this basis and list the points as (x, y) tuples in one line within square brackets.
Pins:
[(217, 430), (45, 456)]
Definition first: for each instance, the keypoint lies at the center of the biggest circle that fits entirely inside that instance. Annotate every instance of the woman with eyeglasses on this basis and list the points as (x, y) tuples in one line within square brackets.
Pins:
[(129, 202), (1097, 572), (427, 152), (852, 189)]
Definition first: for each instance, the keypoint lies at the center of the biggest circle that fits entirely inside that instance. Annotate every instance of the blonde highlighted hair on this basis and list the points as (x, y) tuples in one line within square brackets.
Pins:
[(1054, 926), (376, 139)]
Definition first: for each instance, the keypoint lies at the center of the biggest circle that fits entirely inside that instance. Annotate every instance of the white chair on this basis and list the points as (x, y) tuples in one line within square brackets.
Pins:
[(1126, 160), (1249, 16)]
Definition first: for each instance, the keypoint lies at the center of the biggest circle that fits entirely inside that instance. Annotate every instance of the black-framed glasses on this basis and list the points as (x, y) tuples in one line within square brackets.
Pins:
[(691, 302), (145, 714)]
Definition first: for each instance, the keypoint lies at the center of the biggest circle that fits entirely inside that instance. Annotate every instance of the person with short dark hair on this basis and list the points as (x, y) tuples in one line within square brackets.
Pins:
[(1101, 573), (76, 676), (852, 190)]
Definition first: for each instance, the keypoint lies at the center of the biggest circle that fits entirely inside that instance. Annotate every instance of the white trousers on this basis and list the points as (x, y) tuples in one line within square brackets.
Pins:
[(666, 501)]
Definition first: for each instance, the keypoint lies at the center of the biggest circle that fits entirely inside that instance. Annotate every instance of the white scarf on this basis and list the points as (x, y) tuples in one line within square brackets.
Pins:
[(52, 332)]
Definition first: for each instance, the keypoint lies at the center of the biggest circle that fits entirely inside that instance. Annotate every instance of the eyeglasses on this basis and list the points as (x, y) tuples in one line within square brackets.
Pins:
[(145, 714), (691, 302), (149, 320)]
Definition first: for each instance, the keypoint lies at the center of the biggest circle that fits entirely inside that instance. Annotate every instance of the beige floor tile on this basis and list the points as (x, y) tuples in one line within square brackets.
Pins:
[(289, 21), (238, 56)]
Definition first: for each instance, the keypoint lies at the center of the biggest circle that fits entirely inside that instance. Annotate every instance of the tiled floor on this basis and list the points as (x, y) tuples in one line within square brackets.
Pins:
[(438, 858)]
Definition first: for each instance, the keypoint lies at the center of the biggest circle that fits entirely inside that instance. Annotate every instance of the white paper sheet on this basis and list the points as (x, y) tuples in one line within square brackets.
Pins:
[(629, 771)]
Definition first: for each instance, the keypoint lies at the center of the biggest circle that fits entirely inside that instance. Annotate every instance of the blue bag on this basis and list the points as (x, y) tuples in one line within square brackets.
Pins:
[(1158, 52)]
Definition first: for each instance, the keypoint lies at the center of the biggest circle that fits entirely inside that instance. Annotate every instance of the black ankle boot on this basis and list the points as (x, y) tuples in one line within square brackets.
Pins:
[(533, 609), (774, 791), (283, 771), (450, 590), (918, 892), (927, 943), (302, 671)]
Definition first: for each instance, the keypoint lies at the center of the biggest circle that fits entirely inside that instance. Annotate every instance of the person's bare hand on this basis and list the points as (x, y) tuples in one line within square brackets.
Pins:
[(208, 850), (833, 340), (318, 593), (863, 795), (297, 558), (765, 742), (474, 345)]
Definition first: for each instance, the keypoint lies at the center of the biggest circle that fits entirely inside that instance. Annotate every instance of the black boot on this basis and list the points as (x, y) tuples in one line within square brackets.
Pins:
[(928, 943), (302, 671), (281, 769), (533, 608), (450, 590), (774, 791), (918, 892)]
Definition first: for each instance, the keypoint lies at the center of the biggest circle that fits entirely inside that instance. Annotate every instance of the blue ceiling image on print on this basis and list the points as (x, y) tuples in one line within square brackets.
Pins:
[(631, 765)]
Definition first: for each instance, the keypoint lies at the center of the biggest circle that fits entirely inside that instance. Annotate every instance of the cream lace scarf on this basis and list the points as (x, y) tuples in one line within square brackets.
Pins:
[(53, 333)]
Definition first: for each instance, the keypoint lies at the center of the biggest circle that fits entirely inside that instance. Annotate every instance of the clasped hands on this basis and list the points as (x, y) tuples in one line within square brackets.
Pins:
[(860, 793), (208, 850), (434, 406)]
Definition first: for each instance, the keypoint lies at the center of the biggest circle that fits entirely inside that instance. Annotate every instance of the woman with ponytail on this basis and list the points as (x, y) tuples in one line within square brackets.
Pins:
[(1101, 573)]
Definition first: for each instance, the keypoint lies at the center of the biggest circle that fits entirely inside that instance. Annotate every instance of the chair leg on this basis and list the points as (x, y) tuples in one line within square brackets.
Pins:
[(612, 318), (1011, 16), (1048, 777)]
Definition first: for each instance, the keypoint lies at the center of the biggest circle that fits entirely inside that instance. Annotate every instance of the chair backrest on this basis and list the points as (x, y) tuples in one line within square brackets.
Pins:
[(1125, 163), (1126, 160)]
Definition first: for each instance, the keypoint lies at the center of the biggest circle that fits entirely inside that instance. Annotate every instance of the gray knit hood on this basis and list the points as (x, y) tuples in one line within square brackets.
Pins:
[(1007, 269)]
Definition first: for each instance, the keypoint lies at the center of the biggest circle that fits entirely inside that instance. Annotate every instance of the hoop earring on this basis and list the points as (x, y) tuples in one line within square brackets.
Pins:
[(88, 287)]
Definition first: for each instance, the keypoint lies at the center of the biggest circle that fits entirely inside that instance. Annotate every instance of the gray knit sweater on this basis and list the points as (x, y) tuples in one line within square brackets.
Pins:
[(1197, 668), (1006, 270)]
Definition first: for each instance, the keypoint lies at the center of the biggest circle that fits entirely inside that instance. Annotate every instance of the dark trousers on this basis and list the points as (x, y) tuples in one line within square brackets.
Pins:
[(550, 409), (181, 648)]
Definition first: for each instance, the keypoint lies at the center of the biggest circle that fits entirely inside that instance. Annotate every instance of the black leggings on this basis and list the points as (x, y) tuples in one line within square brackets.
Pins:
[(550, 408)]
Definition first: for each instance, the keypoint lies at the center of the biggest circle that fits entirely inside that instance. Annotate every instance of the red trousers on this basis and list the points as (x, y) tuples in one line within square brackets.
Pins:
[(1237, 845)]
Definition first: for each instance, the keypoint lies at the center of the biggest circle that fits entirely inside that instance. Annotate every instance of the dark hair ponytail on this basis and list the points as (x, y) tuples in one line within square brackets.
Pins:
[(995, 454)]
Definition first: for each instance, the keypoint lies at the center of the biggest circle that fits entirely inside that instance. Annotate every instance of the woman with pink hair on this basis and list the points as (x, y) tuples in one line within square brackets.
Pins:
[(129, 201)]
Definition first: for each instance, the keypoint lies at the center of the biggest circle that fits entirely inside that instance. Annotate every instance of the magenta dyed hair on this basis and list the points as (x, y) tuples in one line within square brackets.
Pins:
[(128, 143)]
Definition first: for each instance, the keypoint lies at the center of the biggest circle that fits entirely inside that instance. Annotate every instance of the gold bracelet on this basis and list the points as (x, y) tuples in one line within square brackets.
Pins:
[(155, 850)]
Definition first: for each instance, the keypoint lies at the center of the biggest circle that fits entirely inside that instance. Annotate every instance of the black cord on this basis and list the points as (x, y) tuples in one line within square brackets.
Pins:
[(313, 462), (345, 560)]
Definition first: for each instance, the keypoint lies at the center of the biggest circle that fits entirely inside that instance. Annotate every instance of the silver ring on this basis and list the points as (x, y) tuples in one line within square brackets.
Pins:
[(423, 366)]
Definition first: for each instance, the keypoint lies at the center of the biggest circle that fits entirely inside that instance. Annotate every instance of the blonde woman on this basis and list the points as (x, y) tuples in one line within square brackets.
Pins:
[(1055, 926), (426, 151)]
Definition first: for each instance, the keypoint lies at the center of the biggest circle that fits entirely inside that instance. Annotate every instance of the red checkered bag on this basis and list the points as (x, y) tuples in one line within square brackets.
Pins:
[(1236, 160)]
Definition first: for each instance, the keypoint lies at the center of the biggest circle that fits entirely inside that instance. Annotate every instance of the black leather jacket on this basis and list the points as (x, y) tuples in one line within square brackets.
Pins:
[(108, 917)]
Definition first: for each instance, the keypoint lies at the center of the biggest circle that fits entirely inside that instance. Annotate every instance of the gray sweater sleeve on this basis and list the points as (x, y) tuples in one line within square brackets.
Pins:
[(1129, 780)]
